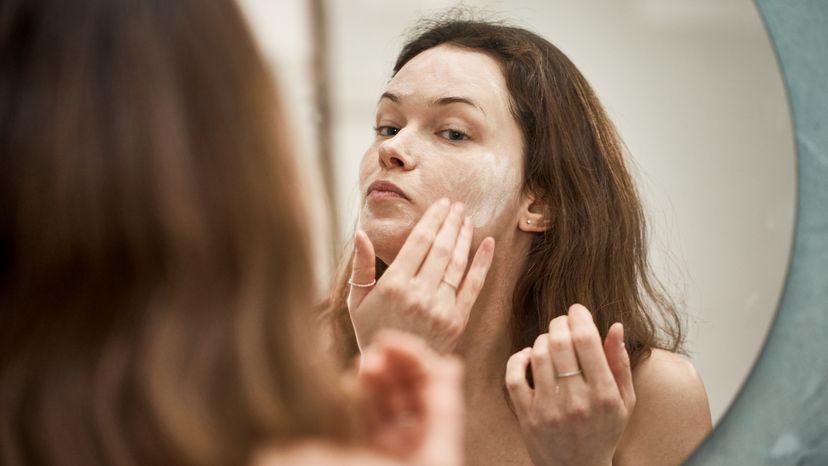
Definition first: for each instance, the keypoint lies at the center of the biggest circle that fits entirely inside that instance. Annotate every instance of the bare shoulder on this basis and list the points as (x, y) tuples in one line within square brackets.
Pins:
[(321, 453), (671, 416)]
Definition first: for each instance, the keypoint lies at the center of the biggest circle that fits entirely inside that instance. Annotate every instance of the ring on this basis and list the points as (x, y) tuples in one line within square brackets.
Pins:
[(450, 284), (561, 375), (363, 285)]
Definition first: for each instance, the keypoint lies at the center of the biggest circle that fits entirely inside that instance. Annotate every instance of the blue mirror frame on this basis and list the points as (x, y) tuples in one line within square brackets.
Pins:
[(781, 414)]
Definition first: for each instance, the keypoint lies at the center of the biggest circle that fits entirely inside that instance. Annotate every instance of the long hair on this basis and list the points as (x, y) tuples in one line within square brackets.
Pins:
[(155, 278), (595, 250)]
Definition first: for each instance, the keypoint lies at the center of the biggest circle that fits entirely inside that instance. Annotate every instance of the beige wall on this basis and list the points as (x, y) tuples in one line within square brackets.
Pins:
[(695, 91)]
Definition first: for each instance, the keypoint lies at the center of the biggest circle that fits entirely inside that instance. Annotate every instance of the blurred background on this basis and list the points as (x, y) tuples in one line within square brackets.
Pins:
[(693, 87)]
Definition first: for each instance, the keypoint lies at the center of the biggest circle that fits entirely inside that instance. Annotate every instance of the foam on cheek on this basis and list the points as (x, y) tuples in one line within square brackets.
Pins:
[(489, 194)]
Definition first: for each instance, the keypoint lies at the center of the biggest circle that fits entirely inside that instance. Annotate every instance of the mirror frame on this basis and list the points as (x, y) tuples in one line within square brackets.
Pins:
[(780, 416)]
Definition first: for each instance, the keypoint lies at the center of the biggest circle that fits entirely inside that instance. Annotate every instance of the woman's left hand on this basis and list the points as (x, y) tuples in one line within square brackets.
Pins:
[(583, 392)]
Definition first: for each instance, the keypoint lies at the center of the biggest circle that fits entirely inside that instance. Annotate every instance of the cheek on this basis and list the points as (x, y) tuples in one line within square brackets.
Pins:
[(490, 188)]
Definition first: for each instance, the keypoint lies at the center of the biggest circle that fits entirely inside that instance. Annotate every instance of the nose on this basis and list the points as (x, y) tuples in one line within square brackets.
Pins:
[(394, 153)]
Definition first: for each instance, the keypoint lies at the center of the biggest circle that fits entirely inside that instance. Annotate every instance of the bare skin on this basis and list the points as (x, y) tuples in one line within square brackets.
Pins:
[(431, 144)]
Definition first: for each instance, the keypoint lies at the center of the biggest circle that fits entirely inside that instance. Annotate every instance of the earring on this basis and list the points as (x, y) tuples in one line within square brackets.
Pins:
[(529, 221)]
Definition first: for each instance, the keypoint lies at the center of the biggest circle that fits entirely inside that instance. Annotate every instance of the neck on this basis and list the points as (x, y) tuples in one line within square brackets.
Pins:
[(485, 345)]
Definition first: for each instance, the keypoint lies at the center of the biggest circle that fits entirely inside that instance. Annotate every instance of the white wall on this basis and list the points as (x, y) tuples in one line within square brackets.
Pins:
[(696, 94)]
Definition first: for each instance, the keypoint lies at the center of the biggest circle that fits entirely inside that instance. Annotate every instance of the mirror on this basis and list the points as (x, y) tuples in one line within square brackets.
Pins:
[(694, 89)]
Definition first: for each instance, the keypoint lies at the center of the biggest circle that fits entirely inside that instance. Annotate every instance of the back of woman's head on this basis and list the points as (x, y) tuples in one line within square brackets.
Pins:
[(153, 261)]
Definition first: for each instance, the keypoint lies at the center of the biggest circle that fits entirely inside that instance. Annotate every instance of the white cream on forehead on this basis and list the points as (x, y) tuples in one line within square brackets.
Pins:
[(447, 77)]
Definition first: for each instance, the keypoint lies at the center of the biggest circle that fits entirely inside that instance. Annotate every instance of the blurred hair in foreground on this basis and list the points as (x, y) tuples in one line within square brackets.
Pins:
[(150, 310)]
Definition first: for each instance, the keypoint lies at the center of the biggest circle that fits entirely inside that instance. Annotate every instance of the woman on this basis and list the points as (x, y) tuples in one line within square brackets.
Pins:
[(499, 120), (154, 272)]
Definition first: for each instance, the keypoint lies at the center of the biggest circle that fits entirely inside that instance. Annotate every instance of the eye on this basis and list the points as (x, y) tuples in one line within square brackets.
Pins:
[(386, 131), (453, 135)]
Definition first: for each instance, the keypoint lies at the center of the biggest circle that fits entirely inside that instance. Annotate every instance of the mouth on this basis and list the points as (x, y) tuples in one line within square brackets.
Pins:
[(385, 189)]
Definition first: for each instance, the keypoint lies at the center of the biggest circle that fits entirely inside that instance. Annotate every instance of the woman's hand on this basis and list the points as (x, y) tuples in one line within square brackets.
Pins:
[(425, 290), (583, 392), (412, 404)]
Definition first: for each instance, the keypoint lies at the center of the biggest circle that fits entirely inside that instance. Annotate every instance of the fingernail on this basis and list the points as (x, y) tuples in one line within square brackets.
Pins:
[(458, 207), (443, 202)]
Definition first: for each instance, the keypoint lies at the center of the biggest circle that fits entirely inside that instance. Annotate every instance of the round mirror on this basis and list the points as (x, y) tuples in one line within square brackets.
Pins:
[(693, 87)]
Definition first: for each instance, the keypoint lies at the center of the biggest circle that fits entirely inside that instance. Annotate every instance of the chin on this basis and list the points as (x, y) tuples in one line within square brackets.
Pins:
[(386, 234)]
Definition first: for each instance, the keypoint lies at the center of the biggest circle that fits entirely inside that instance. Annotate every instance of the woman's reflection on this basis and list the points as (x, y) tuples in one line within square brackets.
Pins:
[(499, 121)]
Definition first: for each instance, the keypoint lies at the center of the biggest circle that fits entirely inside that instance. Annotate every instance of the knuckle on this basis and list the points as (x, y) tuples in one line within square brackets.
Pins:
[(578, 410), (581, 337), (422, 302), (550, 417), (421, 237), (535, 421), (457, 326), (441, 249), (513, 381), (559, 342), (476, 282), (541, 340), (560, 321), (393, 289), (606, 402), (541, 347)]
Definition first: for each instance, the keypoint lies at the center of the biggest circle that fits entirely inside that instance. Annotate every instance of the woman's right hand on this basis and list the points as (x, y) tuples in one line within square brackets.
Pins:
[(412, 407), (425, 290)]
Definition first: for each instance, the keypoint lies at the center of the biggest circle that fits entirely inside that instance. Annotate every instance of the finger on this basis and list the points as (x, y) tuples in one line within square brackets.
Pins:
[(432, 396), (619, 363), (407, 356), (363, 271), (433, 270), (589, 348), (563, 354), (419, 241), (376, 386), (460, 256), (516, 383), (399, 419), (475, 278), (542, 368), (443, 395)]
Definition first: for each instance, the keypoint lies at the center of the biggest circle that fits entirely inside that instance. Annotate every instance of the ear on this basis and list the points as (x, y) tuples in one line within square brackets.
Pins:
[(533, 216)]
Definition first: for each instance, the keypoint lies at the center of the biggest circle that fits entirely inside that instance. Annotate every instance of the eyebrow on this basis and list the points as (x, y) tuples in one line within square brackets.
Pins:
[(441, 101)]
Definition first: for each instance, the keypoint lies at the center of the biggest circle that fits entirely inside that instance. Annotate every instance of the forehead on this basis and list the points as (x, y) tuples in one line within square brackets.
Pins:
[(452, 70)]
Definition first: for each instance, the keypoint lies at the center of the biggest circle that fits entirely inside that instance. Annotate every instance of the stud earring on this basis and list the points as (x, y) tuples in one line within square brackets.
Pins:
[(529, 221)]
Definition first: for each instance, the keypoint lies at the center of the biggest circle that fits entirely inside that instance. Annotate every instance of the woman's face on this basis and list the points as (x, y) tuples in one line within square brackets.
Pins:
[(443, 129)]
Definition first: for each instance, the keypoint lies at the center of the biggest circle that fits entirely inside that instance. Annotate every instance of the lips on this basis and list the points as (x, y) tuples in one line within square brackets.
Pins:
[(385, 188)]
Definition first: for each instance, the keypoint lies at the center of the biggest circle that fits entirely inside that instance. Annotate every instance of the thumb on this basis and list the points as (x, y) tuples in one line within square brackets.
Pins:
[(619, 363), (363, 273)]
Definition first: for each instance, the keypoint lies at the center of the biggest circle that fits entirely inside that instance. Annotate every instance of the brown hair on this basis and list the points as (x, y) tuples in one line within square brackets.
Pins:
[(154, 267), (595, 250)]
